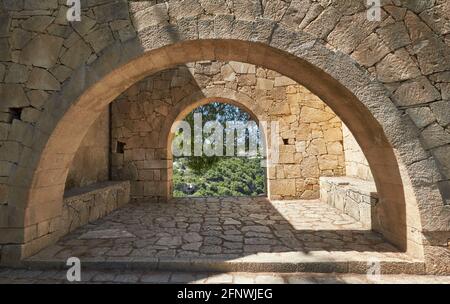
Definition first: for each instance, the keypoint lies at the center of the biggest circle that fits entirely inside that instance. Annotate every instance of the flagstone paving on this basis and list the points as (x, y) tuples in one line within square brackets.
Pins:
[(224, 228), (19, 276)]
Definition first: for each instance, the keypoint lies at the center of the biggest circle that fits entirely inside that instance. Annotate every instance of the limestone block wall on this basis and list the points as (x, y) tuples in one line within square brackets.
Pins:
[(356, 164), (353, 196), (87, 204), (91, 162), (310, 133)]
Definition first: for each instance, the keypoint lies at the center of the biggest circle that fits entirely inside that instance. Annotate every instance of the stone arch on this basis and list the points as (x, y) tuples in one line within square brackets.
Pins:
[(388, 139), (197, 99), (203, 97)]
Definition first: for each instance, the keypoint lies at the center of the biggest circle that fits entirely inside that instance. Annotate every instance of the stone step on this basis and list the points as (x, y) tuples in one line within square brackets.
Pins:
[(279, 263)]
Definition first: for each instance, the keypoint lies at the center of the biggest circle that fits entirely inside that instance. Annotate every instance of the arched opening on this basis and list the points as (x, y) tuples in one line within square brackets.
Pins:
[(43, 201), (230, 163)]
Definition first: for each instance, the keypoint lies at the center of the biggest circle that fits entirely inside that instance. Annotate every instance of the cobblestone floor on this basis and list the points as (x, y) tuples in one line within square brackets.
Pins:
[(15, 276), (218, 228)]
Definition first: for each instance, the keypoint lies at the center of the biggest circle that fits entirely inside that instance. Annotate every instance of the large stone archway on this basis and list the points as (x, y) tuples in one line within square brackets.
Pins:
[(406, 176)]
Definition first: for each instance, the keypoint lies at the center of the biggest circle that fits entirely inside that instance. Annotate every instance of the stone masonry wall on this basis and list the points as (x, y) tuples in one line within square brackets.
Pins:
[(356, 164), (354, 197), (91, 162), (310, 133), (87, 204)]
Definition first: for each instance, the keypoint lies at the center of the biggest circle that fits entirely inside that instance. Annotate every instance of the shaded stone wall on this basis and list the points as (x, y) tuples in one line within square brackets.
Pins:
[(87, 204), (356, 164), (91, 162), (310, 133), (352, 196)]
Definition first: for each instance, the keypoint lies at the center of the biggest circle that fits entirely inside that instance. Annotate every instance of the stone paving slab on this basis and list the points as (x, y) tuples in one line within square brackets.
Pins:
[(21, 276), (228, 234)]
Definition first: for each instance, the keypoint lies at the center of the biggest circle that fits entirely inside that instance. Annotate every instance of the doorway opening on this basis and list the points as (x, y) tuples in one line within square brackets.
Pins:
[(241, 173)]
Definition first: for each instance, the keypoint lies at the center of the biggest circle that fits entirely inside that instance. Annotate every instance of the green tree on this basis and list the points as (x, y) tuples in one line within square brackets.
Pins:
[(218, 175)]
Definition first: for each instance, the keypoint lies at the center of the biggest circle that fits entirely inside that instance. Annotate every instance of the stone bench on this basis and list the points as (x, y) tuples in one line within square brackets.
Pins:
[(354, 197), (87, 204)]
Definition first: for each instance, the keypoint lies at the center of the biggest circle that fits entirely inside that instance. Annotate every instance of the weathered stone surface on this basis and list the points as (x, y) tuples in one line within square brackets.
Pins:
[(111, 11), (40, 4), (5, 22), (324, 23), (398, 13), (314, 115), (2, 71), (394, 35), (397, 67), (441, 110), (40, 79), (435, 136), (30, 115), (283, 187), (445, 90), (13, 96), (264, 84), (87, 204), (416, 91), (100, 39), (5, 50), (438, 18), (17, 73), (215, 7), (282, 81), (422, 116), (247, 9), (192, 237), (37, 98), (441, 77), (242, 68), (295, 13), (351, 31), (82, 28), (418, 6), (78, 54), (432, 53), (61, 72), (42, 51), (19, 38), (106, 234), (169, 241), (442, 155), (370, 51), (37, 23), (310, 167), (157, 14), (13, 5)]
